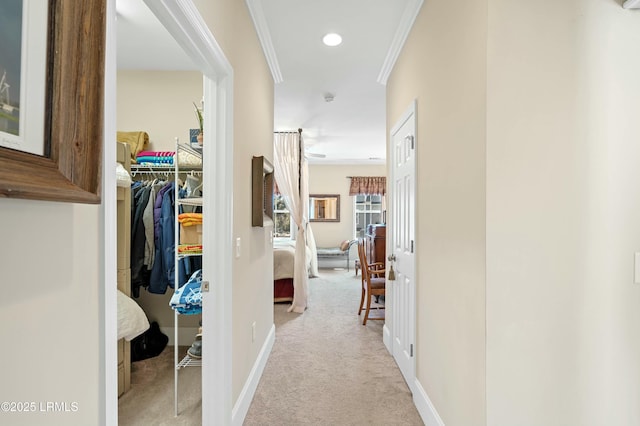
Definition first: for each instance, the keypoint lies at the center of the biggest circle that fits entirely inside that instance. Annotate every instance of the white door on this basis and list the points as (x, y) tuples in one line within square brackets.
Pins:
[(402, 245)]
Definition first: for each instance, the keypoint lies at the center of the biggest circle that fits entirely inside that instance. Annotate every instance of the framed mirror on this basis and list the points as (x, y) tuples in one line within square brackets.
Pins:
[(324, 207)]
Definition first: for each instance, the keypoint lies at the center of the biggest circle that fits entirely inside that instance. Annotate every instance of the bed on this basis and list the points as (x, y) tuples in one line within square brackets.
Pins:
[(283, 257)]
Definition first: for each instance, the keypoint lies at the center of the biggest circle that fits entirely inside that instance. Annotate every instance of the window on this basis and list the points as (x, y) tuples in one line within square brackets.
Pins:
[(368, 210), (281, 217)]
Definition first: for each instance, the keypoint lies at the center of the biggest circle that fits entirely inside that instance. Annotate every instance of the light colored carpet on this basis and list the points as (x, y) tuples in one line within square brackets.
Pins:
[(326, 368), (150, 401)]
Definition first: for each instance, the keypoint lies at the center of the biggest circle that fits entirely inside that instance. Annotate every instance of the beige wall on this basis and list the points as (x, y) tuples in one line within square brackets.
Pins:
[(231, 24), (562, 208), (563, 203), (443, 67), (161, 104), (332, 179), (51, 272)]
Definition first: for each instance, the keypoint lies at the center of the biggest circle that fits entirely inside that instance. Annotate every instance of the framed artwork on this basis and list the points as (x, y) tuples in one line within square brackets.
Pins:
[(51, 99), (193, 138), (261, 191)]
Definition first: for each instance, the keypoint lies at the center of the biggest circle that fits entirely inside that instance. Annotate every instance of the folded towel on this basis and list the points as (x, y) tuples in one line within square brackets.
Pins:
[(189, 219), (156, 154), (154, 160), (190, 249)]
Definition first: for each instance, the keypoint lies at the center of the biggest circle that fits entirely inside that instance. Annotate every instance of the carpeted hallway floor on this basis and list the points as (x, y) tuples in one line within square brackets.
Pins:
[(325, 368)]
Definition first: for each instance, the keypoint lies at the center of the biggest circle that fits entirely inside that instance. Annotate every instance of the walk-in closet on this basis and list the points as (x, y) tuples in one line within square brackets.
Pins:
[(159, 106)]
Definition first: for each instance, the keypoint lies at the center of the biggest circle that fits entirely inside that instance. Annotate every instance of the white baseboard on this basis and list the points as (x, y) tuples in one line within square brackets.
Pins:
[(425, 407), (186, 335), (241, 406), (386, 338)]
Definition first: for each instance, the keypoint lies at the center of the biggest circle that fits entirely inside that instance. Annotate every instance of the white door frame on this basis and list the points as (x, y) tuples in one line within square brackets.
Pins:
[(108, 316), (391, 304), (184, 22)]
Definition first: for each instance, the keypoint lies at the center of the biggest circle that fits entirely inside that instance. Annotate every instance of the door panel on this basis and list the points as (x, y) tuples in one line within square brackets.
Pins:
[(401, 305)]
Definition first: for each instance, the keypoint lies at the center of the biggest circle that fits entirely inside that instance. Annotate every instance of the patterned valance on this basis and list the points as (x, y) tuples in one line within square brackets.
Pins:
[(368, 185)]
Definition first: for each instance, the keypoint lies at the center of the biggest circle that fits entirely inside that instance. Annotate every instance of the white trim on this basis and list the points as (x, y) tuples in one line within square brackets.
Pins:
[(348, 162), (386, 336), (411, 110), (260, 24), (107, 299), (217, 312), (402, 32), (243, 403), (425, 407), (185, 24), (631, 4)]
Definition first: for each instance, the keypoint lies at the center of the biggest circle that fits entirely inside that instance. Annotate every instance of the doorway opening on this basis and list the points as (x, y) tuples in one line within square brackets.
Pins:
[(187, 27)]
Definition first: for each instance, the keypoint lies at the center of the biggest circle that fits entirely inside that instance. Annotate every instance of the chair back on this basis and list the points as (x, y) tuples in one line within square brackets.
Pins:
[(364, 265), (373, 284)]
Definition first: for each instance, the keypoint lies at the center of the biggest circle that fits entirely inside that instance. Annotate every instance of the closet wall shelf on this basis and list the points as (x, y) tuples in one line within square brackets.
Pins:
[(193, 201), (139, 168), (164, 168), (187, 361), (183, 255)]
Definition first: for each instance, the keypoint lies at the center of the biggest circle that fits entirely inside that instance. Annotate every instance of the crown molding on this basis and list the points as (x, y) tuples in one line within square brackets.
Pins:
[(260, 24), (346, 162), (185, 24), (631, 4), (402, 32)]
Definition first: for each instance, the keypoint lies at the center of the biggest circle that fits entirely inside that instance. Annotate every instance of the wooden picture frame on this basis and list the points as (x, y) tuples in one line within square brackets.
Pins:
[(261, 191), (70, 169)]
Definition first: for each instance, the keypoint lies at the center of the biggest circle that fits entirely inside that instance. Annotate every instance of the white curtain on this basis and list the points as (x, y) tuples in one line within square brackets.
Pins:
[(311, 240), (293, 186)]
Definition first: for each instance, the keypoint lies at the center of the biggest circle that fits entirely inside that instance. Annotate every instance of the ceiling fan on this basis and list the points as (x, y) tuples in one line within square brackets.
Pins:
[(308, 153), (313, 154)]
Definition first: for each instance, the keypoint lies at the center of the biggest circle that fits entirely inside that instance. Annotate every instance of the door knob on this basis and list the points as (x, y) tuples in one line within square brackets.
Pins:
[(391, 258)]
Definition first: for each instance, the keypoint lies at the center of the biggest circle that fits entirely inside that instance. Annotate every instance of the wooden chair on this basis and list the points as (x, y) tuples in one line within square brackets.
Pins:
[(373, 284)]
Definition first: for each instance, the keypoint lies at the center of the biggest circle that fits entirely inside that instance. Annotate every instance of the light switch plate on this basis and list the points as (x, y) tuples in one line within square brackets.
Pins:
[(237, 247)]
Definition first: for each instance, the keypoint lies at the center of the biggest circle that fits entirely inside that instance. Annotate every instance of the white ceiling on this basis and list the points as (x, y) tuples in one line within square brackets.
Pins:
[(352, 128)]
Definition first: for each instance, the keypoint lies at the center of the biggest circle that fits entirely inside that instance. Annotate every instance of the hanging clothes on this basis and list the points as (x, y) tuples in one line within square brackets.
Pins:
[(153, 238), (139, 275), (162, 273)]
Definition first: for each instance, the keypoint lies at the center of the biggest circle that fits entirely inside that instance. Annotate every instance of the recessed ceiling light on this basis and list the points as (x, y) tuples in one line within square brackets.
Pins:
[(332, 39)]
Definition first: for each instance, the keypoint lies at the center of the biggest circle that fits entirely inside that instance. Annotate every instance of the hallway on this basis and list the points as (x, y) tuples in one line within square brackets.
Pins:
[(327, 368)]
